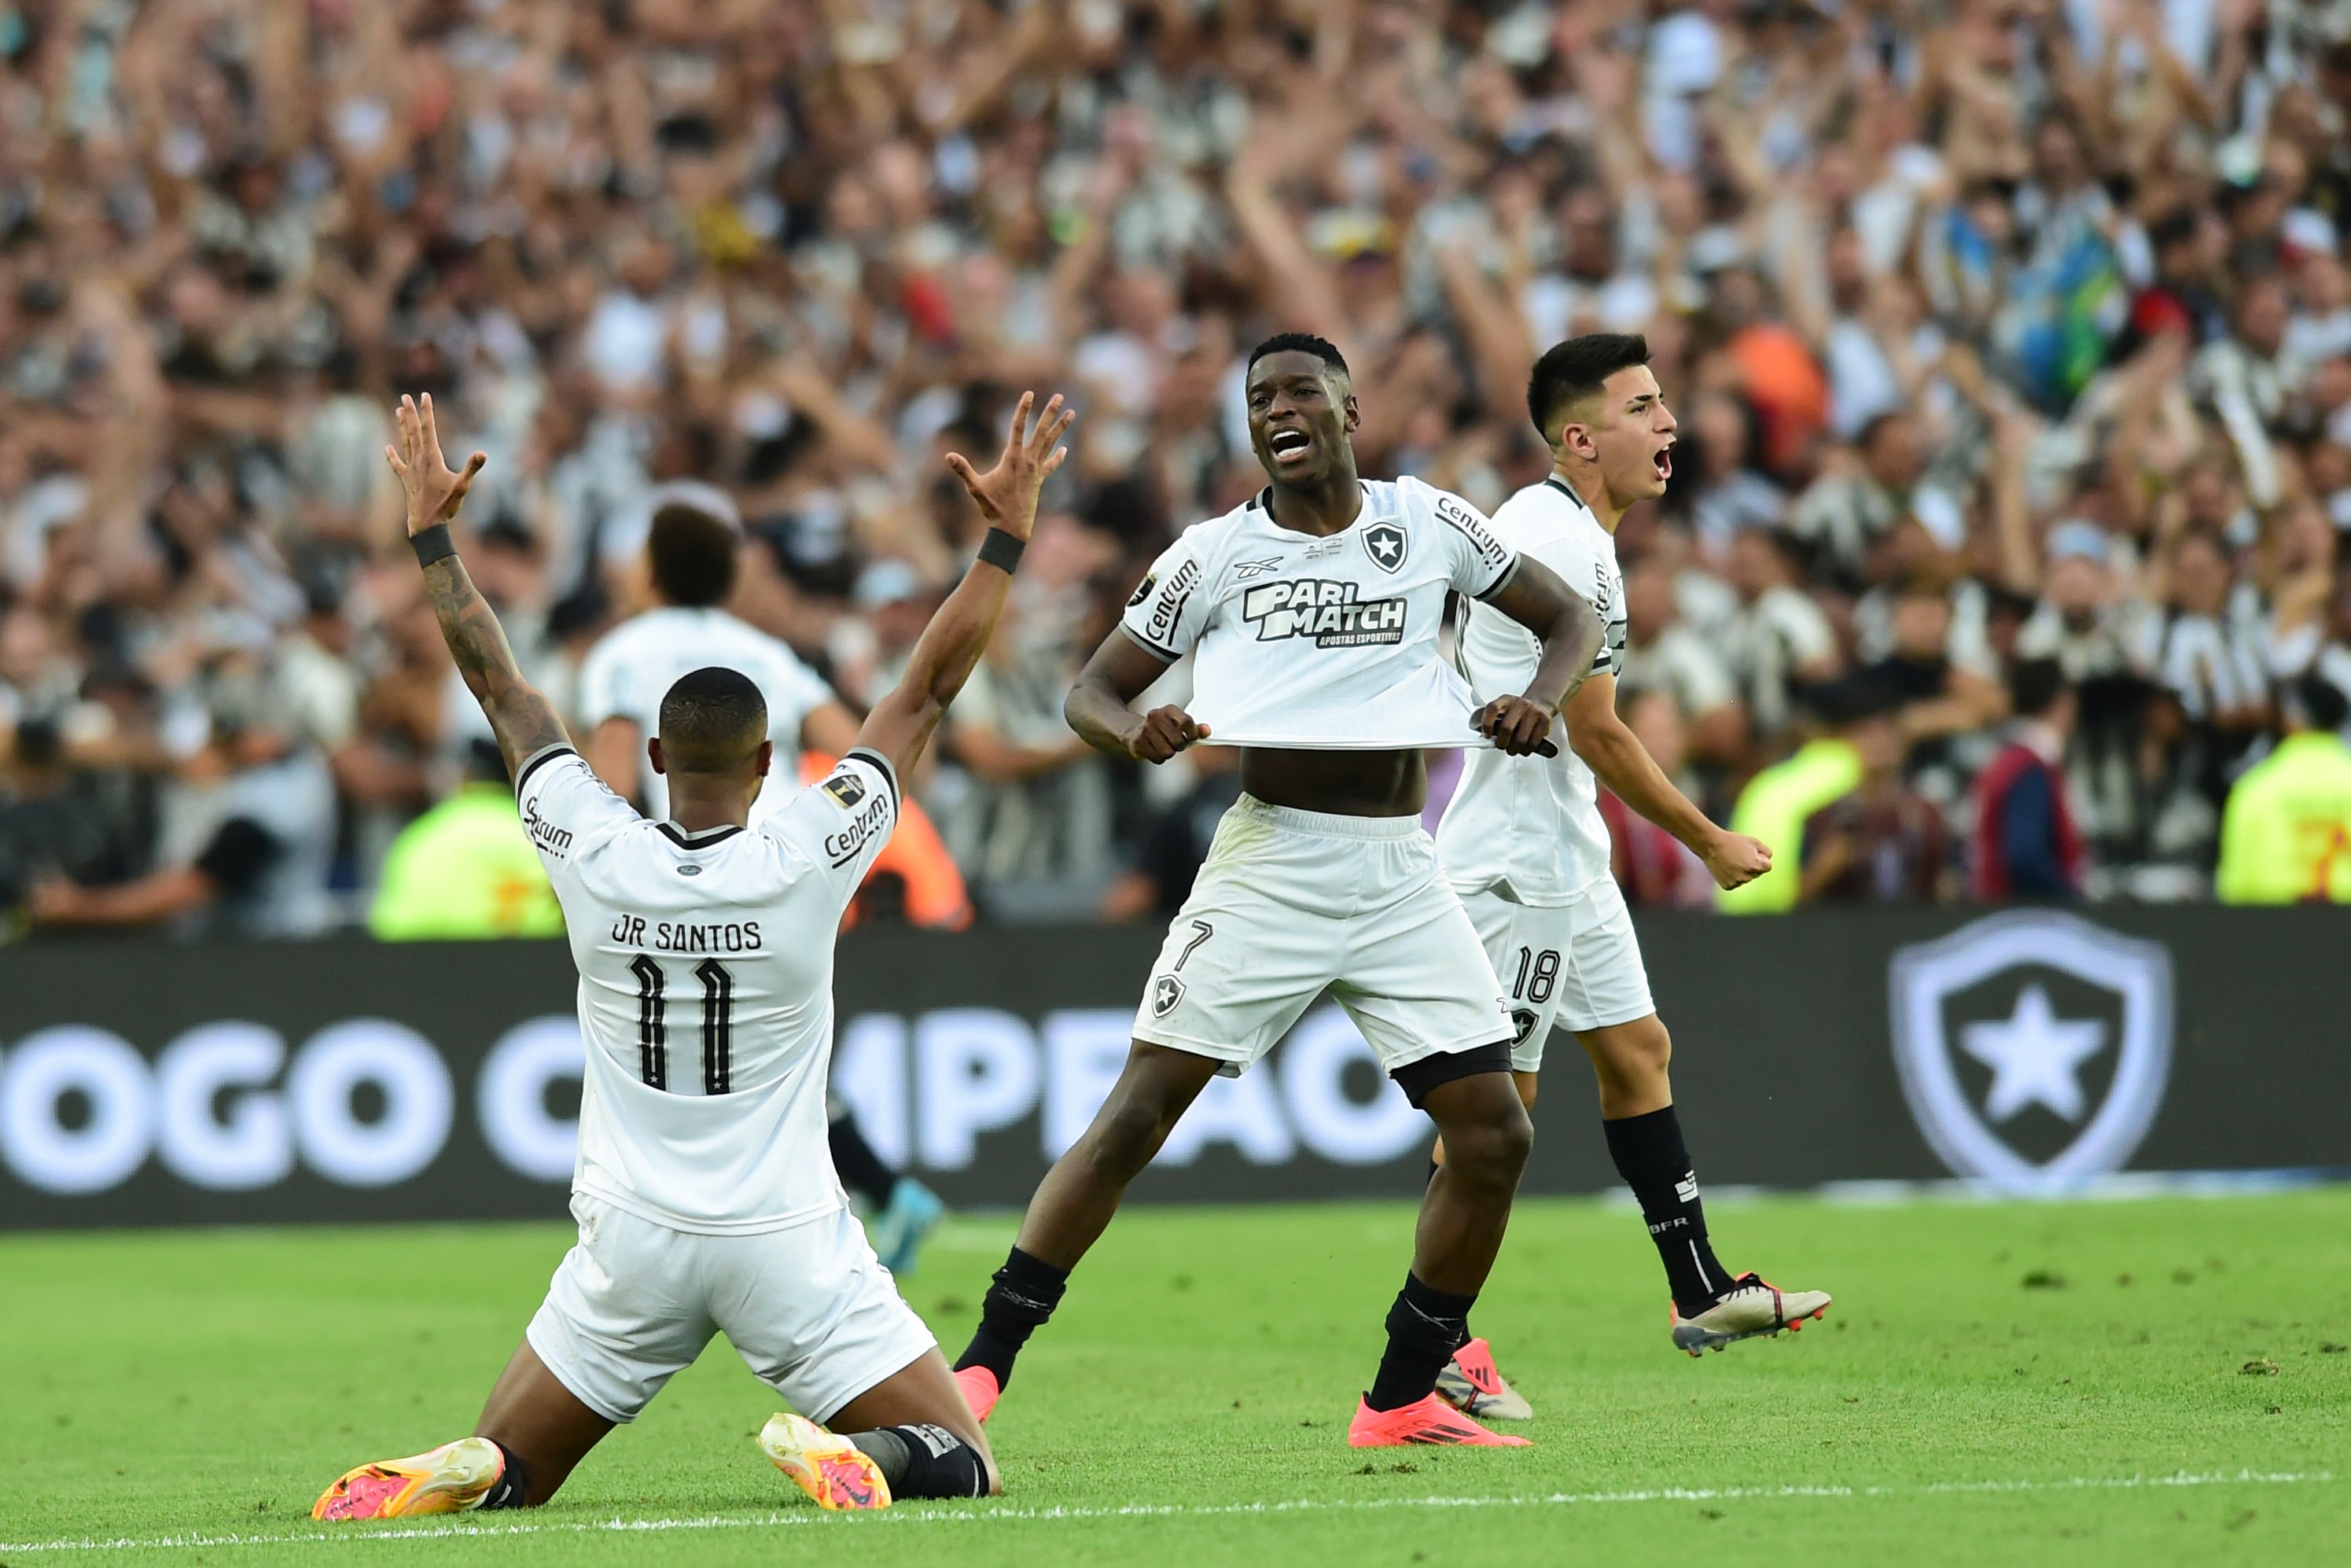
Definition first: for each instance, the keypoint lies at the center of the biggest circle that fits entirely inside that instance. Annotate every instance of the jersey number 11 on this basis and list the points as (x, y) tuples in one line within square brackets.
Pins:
[(652, 1027)]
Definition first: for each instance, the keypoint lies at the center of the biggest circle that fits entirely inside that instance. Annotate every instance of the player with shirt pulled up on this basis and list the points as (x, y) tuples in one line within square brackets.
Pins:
[(1313, 612), (1525, 845), (706, 1198)]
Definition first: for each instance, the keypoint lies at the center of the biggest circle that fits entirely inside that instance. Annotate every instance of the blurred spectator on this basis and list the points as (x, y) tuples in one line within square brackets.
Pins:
[(1780, 638), (2286, 835), (2026, 845), (2044, 304), (1845, 515), (1664, 653), (1779, 801), (465, 869), (1882, 843), (1656, 869), (262, 867)]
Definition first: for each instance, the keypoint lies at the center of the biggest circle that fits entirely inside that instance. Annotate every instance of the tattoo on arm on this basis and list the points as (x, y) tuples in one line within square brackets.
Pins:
[(523, 720)]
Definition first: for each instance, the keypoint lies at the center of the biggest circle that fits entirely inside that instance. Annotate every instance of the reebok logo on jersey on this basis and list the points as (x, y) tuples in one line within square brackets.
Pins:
[(846, 789), (550, 838), (1328, 612), (1246, 569), (1384, 543)]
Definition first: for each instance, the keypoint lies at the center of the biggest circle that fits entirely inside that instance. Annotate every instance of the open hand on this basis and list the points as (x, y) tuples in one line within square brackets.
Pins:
[(1007, 494), (434, 491)]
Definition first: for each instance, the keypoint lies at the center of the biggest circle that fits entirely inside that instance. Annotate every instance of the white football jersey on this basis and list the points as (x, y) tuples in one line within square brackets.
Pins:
[(1530, 827), (1323, 641), (705, 988), (629, 672)]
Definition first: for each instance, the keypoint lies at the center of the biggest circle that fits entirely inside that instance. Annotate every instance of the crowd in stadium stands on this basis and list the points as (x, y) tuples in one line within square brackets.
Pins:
[(2011, 341)]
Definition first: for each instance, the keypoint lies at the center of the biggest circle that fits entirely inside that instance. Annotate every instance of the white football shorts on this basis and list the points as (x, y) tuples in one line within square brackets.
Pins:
[(809, 1309), (1576, 967), (1291, 902)]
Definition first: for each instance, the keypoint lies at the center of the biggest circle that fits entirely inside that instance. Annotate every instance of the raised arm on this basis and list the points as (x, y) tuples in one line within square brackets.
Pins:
[(1571, 632), (524, 721), (901, 723)]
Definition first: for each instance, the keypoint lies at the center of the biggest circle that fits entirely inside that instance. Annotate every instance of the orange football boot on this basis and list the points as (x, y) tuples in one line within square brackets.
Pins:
[(1427, 1420), (447, 1479), (830, 1468)]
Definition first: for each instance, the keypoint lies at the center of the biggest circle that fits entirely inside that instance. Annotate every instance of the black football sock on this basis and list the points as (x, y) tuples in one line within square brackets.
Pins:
[(1426, 1326), (924, 1461), (860, 1169), (1023, 1296), (1650, 1157), (513, 1484)]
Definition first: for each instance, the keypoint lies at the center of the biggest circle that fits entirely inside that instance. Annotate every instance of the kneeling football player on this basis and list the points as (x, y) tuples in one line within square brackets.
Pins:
[(707, 1198)]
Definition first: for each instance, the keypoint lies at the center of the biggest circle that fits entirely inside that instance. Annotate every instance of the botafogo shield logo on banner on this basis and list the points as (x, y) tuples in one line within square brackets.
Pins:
[(2033, 1047)]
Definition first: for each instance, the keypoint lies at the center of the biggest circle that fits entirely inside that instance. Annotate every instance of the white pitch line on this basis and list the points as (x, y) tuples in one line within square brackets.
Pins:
[(905, 1516)]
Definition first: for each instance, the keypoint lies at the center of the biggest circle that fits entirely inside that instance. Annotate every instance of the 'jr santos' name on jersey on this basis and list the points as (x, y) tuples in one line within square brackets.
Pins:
[(686, 935), (1329, 613)]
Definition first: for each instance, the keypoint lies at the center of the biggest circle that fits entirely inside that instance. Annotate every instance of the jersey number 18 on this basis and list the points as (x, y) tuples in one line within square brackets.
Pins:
[(653, 1027)]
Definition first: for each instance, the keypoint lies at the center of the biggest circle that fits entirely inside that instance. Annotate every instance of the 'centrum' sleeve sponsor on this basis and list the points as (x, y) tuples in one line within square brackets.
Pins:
[(565, 806), (841, 821), (1167, 612), (1480, 561)]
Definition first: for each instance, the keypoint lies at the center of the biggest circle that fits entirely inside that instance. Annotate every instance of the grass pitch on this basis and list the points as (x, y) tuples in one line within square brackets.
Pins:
[(2158, 1381)]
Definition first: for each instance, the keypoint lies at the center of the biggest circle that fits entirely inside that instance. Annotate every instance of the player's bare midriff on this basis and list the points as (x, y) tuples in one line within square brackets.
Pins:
[(1343, 783)]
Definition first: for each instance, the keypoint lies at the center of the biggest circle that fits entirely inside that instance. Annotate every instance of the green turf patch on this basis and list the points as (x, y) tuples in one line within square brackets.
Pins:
[(2150, 1381)]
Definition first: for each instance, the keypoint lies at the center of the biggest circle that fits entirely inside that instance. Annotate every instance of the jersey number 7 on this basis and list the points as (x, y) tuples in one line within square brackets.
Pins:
[(652, 1027)]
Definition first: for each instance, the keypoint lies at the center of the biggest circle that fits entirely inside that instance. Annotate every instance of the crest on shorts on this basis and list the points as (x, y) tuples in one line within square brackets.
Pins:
[(846, 789), (1142, 589), (2033, 1047), (1384, 543), (1167, 994)]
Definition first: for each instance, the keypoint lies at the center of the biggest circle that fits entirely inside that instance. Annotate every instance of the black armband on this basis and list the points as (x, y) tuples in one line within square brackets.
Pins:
[(1002, 550), (433, 544)]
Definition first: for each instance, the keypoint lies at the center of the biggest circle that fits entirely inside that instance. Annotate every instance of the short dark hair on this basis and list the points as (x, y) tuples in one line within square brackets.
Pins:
[(712, 721), (1321, 349), (1576, 368), (692, 554), (2318, 701), (2035, 684)]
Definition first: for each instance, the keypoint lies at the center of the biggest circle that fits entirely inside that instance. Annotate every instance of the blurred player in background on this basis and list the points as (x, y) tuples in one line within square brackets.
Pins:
[(1526, 847), (705, 1200), (693, 555), (1314, 611)]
